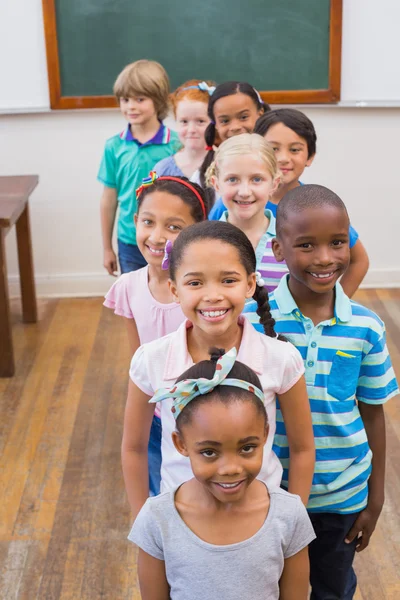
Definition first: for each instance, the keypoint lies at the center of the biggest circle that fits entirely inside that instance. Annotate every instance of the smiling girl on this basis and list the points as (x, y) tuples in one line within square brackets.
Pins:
[(189, 103), (166, 206), (223, 533), (245, 173), (212, 273)]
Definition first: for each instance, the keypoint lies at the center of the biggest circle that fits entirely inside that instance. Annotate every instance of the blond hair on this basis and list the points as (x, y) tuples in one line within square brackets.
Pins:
[(145, 78), (239, 145)]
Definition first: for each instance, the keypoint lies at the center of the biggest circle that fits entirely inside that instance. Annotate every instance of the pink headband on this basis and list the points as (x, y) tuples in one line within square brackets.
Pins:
[(153, 177)]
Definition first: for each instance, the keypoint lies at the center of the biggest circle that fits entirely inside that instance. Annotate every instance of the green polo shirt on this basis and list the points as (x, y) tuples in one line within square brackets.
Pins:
[(125, 163)]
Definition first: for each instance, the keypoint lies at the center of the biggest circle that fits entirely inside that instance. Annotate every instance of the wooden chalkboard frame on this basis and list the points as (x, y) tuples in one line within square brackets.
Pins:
[(330, 95)]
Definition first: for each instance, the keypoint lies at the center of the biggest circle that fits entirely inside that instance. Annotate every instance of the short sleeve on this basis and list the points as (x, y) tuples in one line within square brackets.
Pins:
[(303, 532), (107, 170), (146, 533), (139, 372), (377, 382), (353, 236), (117, 298), (162, 167), (217, 210), (293, 368)]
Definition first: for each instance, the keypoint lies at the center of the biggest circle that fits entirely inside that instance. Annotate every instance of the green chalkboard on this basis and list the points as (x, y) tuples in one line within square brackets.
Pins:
[(276, 45)]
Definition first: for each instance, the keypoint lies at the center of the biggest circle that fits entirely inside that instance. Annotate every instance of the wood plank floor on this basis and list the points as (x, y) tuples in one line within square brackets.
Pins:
[(63, 513)]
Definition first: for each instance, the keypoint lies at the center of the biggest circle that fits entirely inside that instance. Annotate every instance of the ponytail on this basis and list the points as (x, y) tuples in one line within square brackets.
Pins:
[(264, 312), (209, 136)]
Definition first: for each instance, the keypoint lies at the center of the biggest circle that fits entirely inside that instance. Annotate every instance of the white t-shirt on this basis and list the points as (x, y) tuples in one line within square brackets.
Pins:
[(158, 364), (250, 569)]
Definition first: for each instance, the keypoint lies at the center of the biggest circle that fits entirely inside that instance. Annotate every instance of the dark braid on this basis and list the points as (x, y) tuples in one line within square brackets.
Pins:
[(209, 136), (264, 312)]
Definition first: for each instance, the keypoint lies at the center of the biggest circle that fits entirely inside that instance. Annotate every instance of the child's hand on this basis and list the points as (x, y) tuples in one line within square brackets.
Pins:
[(363, 528), (110, 262)]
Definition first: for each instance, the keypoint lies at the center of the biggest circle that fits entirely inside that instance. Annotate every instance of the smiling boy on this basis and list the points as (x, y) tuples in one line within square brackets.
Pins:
[(142, 92), (349, 377)]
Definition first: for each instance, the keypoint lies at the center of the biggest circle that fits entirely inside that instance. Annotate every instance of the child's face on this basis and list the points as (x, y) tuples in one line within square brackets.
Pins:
[(138, 110), (192, 121), (225, 445), (315, 245), (162, 217), (245, 185), (211, 286), (291, 152), (234, 115)]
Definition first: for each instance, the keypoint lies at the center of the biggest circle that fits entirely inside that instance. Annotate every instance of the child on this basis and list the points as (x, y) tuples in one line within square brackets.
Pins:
[(349, 377), (245, 173), (223, 534), (293, 137), (212, 272), (189, 103), (233, 108), (142, 92), (165, 206)]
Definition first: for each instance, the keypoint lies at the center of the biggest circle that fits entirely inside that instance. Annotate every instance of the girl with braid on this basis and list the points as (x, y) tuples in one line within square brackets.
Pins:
[(245, 173), (212, 269), (233, 108)]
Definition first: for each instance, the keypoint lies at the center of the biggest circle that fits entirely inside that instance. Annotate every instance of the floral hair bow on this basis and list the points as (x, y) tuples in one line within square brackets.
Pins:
[(146, 182), (185, 391)]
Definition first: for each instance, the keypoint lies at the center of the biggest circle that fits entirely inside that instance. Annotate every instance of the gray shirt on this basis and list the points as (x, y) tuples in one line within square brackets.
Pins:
[(248, 570)]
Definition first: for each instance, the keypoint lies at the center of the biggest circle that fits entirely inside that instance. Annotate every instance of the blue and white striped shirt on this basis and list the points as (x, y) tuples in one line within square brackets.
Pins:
[(346, 361)]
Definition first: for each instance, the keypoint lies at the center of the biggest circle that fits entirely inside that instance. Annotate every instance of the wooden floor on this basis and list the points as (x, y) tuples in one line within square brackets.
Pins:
[(63, 513)]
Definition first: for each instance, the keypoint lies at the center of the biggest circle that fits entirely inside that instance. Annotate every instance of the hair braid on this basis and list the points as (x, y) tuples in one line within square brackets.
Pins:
[(264, 312), (209, 137)]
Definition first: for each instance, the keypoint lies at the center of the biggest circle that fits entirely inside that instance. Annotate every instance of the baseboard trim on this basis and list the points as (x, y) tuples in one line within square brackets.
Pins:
[(78, 285)]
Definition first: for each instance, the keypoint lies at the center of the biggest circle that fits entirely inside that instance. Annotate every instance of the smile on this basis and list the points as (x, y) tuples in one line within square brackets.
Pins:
[(322, 275), (230, 488), (244, 202), (213, 313), (156, 252)]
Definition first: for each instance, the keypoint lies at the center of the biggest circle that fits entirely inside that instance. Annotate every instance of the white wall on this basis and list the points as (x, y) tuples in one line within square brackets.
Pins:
[(357, 148), (357, 157)]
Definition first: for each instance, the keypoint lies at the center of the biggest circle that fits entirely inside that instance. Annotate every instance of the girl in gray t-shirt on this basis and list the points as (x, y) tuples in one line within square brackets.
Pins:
[(222, 535)]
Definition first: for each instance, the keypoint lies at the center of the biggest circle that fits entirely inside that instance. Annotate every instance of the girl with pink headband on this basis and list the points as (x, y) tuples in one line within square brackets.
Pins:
[(166, 206)]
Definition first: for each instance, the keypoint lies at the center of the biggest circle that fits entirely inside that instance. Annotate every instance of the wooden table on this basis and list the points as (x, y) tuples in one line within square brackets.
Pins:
[(14, 210)]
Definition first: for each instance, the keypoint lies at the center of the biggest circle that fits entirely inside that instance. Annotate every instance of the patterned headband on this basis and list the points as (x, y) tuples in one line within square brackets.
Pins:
[(185, 391), (148, 181), (203, 86)]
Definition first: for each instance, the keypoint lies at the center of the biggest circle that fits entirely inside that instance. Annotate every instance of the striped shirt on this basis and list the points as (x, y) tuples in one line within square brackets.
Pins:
[(271, 271), (346, 360)]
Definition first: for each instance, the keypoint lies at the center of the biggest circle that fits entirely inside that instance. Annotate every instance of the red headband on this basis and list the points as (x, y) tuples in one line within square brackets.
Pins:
[(153, 177)]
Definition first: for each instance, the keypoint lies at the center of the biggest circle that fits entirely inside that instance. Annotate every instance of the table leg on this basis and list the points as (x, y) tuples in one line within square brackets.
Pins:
[(7, 367), (25, 260)]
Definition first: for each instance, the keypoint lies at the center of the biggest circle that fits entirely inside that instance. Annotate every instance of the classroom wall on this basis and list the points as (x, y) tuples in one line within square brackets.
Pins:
[(357, 157)]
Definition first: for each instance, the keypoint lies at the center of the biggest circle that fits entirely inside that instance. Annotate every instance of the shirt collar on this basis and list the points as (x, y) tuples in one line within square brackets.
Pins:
[(268, 213), (162, 136), (251, 351), (287, 305)]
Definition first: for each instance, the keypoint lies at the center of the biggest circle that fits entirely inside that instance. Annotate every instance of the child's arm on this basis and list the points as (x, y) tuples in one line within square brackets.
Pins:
[(152, 578), (108, 210), (136, 433), (133, 335), (293, 584), (296, 413), (374, 422), (359, 263)]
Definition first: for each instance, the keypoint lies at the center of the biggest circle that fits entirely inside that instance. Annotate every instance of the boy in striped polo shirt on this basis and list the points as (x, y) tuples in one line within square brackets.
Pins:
[(349, 377)]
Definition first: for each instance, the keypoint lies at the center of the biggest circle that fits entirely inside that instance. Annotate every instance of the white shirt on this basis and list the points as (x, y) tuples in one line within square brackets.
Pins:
[(158, 364)]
